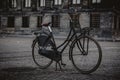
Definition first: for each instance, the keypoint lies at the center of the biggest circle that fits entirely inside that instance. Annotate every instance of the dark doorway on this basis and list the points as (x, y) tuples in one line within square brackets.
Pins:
[(55, 21), (0, 23), (25, 22), (39, 21), (95, 20), (11, 22), (119, 23)]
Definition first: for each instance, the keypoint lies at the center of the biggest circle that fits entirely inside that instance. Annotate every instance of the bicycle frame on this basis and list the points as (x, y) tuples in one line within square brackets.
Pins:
[(69, 38), (67, 41)]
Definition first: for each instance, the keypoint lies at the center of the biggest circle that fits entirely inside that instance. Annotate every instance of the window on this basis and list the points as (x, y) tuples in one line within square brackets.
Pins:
[(48, 4), (4, 4), (96, 1), (27, 3), (45, 3), (12, 3), (95, 20), (76, 1), (57, 2), (39, 21), (55, 21), (25, 22), (41, 3), (85, 2), (11, 22)]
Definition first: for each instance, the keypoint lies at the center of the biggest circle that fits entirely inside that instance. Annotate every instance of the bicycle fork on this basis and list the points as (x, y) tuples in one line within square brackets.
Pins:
[(81, 46)]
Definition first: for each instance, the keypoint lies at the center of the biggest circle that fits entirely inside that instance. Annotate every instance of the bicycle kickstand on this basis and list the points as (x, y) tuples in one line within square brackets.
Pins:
[(57, 66)]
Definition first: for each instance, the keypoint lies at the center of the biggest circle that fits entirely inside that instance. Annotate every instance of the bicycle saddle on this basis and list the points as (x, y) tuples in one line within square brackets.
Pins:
[(46, 24)]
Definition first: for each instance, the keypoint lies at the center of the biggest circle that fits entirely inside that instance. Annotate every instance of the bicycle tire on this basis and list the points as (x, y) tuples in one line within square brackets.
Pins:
[(44, 62), (89, 51)]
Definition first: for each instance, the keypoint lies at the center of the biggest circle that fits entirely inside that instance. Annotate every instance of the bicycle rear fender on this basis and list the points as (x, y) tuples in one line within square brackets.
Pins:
[(33, 42)]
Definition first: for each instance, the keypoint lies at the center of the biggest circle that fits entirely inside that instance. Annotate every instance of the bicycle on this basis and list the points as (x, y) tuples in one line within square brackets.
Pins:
[(82, 46)]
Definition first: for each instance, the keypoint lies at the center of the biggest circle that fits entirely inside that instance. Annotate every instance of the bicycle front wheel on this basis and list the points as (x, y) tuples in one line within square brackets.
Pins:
[(41, 61), (86, 54)]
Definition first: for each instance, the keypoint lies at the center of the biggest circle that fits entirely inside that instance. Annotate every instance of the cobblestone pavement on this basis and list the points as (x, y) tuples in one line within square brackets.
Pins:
[(16, 63)]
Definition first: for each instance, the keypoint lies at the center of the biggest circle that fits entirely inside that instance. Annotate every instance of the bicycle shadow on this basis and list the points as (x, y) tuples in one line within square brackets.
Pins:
[(19, 69), (20, 73)]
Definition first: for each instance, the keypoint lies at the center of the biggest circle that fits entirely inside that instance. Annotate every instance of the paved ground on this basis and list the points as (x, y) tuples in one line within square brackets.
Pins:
[(16, 63)]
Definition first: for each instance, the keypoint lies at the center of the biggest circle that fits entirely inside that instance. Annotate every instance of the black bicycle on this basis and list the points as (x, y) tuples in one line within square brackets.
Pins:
[(84, 51)]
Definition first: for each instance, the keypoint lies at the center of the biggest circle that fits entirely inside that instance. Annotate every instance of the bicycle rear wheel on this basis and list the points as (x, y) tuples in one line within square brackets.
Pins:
[(42, 61), (85, 54)]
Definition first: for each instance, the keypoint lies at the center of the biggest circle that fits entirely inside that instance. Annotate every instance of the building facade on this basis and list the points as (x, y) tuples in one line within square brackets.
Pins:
[(27, 15)]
